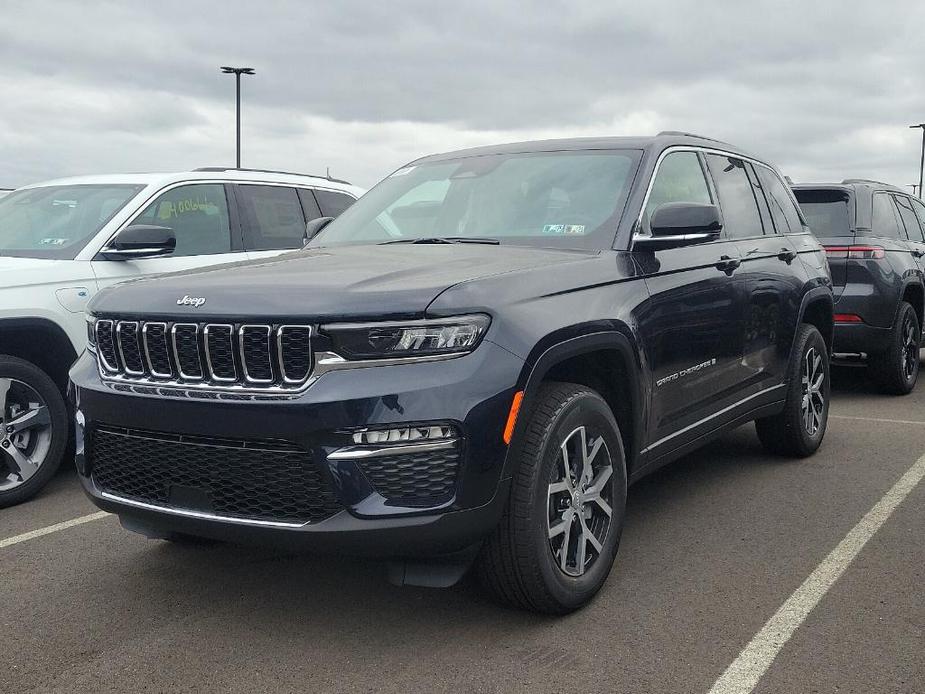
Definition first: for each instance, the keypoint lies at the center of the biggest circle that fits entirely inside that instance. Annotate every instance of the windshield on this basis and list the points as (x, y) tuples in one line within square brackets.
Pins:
[(57, 221), (826, 211), (559, 199)]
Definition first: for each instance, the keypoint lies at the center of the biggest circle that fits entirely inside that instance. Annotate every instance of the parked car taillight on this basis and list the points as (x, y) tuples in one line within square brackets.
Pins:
[(855, 252)]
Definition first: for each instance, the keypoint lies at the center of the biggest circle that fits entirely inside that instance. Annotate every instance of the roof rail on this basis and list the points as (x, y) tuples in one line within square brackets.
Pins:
[(272, 171), (681, 133)]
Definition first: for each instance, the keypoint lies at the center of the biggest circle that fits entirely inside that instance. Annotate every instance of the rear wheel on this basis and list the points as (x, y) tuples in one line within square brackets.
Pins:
[(798, 430), (896, 369), (555, 545), (33, 430)]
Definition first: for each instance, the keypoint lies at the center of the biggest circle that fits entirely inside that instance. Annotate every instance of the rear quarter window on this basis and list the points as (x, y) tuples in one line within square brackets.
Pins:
[(826, 212)]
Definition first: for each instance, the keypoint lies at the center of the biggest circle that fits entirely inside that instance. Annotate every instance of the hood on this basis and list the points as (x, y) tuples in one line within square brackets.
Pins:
[(25, 272), (348, 282)]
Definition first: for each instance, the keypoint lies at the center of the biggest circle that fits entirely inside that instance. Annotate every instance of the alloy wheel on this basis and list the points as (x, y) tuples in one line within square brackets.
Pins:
[(579, 502), (813, 381), (910, 349), (25, 432)]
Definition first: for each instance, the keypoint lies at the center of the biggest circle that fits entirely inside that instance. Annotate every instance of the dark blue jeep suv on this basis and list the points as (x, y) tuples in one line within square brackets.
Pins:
[(469, 365)]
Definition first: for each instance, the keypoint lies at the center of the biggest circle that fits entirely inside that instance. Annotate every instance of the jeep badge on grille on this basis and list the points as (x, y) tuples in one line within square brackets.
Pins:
[(195, 301)]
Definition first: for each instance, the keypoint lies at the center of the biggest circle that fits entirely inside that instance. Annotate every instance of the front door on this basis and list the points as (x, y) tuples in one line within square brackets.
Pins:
[(691, 323), (206, 235)]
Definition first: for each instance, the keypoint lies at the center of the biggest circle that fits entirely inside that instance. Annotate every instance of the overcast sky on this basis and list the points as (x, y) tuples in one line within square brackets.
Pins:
[(825, 90)]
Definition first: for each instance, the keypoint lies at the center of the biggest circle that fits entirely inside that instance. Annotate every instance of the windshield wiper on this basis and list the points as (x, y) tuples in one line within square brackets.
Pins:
[(446, 239)]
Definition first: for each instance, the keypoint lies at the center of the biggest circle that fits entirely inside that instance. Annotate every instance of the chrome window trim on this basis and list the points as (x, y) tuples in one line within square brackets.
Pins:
[(269, 329), (205, 344), (279, 354), (144, 342), (118, 328), (176, 353), (102, 358)]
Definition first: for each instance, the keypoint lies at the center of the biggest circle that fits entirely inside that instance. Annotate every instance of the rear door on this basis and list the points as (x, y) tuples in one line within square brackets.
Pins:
[(691, 324)]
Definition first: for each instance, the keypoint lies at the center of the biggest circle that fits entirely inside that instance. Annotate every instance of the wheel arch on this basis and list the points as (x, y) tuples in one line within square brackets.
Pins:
[(605, 361), (914, 293), (41, 342), (817, 308)]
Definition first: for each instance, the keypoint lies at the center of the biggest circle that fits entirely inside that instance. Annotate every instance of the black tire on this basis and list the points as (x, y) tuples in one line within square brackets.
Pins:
[(517, 563), (896, 369), (791, 433), (36, 379)]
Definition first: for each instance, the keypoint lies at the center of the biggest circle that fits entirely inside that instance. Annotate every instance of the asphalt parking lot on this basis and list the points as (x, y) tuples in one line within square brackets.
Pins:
[(714, 546)]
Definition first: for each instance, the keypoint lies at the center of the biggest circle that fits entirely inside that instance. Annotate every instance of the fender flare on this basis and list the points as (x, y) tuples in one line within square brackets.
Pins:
[(576, 346), (815, 294), (910, 282)]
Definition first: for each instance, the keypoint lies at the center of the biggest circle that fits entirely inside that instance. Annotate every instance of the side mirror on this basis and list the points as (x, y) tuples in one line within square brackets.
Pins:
[(678, 224), (141, 241), (314, 227)]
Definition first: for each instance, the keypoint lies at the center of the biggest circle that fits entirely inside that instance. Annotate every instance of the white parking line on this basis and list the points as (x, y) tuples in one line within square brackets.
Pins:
[(746, 670), (873, 419), (16, 539)]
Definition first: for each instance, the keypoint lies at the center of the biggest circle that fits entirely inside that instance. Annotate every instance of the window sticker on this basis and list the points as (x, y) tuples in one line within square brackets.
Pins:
[(564, 229)]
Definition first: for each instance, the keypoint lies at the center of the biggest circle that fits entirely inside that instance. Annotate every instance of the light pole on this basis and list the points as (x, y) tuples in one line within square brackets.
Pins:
[(922, 160), (237, 72)]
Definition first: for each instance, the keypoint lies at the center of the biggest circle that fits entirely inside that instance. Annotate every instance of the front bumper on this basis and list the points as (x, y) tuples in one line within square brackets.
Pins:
[(472, 394)]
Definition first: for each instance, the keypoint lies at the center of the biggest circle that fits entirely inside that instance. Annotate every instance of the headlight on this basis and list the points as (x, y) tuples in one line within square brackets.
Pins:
[(442, 336), (91, 334)]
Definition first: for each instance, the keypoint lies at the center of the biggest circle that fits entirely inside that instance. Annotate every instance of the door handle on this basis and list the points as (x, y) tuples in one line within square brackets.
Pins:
[(787, 255), (727, 264)]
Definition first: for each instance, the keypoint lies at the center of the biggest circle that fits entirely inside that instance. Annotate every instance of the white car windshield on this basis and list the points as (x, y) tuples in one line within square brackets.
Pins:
[(57, 221)]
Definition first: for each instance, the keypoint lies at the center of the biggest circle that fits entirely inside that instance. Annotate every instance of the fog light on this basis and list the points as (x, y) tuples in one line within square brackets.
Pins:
[(419, 433)]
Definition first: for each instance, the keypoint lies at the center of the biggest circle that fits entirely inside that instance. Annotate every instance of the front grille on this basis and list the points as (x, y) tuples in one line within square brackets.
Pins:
[(222, 355), (255, 480), (414, 479)]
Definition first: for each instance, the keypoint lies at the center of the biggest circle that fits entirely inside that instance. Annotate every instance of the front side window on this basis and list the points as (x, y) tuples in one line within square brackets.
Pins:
[(741, 218), (885, 221), (558, 199), (783, 210), (271, 216), (332, 204), (680, 178), (198, 215), (919, 209), (909, 220), (57, 222)]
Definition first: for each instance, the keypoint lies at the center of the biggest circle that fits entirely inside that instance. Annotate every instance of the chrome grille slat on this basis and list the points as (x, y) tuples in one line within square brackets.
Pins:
[(161, 356)]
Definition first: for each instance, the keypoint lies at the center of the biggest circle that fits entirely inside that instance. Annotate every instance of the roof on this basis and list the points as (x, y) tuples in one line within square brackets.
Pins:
[(668, 138), (209, 173)]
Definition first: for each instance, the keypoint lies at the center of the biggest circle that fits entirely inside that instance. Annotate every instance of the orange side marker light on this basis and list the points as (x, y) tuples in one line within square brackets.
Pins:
[(512, 416)]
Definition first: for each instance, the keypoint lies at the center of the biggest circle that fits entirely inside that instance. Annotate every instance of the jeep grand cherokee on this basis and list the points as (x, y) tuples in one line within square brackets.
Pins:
[(471, 363)]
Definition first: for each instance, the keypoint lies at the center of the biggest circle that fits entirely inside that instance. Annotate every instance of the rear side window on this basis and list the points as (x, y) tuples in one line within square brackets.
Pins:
[(825, 211), (885, 221), (909, 220), (783, 210), (331, 203), (679, 179), (271, 216), (741, 218)]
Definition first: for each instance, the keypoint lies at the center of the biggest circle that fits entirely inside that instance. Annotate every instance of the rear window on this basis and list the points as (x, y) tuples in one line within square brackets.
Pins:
[(826, 211)]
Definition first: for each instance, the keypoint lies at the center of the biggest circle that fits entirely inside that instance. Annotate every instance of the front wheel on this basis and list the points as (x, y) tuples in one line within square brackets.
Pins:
[(798, 430), (555, 545), (33, 430)]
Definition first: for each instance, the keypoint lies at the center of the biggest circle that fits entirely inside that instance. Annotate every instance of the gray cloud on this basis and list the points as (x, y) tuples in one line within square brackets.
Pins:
[(824, 89)]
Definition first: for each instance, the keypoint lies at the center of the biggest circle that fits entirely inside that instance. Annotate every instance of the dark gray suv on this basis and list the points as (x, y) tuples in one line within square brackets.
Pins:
[(874, 236)]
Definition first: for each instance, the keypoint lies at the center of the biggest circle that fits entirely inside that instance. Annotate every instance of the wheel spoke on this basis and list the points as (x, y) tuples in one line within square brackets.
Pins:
[(581, 551), (566, 540), (566, 466), (32, 418), (559, 528), (588, 462), (598, 547), (4, 389), (22, 464)]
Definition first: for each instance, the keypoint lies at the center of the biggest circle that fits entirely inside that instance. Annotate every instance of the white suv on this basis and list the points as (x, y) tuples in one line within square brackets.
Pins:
[(62, 241)]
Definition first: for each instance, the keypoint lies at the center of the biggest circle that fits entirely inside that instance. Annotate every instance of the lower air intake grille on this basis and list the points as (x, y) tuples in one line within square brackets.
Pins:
[(414, 479), (256, 480)]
